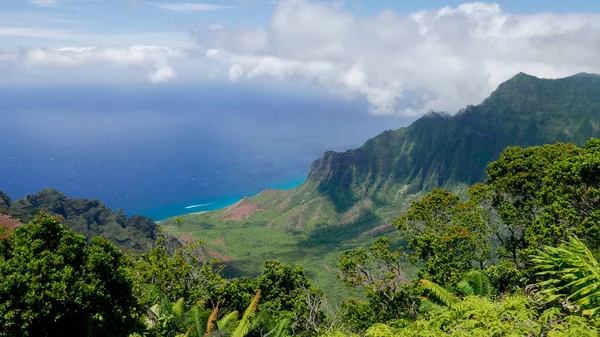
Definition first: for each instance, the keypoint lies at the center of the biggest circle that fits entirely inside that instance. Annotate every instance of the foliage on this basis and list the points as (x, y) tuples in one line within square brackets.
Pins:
[(446, 236), (475, 283), (572, 275), (505, 277), (181, 274), (379, 271), (544, 194), (89, 217), (53, 283), (477, 316), (286, 292)]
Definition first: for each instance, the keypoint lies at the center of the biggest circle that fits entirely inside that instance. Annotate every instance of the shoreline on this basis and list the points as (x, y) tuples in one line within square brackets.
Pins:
[(227, 201)]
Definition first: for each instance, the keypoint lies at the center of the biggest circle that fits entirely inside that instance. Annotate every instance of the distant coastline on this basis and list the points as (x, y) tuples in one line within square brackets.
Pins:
[(171, 211)]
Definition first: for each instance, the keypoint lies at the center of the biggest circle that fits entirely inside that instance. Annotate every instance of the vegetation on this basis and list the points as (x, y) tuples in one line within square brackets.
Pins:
[(89, 217), (350, 198), (513, 256)]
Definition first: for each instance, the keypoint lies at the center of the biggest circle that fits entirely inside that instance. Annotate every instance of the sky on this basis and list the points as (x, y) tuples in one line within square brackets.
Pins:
[(404, 57)]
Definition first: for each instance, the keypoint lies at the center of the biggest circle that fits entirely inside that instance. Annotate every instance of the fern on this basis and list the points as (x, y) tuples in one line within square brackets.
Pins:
[(246, 323), (478, 283), (280, 329), (440, 293), (228, 321), (210, 325), (573, 274)]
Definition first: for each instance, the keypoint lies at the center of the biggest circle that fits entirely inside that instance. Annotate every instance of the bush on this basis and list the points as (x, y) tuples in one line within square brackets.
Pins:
[(55, 284)]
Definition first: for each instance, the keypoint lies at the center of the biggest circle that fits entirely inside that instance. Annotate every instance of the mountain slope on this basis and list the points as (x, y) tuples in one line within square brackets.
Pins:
[(438, 150), (86, 216), (352, 196)]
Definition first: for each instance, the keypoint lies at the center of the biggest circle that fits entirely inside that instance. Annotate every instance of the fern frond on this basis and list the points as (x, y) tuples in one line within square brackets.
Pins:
[(246, 324), (210, 325), (279, 330), (228, 321), (479, 282), (177, 307), (573, 273), (440, 293)]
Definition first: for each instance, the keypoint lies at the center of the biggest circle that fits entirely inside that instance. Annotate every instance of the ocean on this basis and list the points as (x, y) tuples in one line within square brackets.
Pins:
[(163, 151)]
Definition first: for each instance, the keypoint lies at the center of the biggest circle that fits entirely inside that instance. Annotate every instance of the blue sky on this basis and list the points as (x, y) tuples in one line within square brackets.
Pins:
[(404, 57)]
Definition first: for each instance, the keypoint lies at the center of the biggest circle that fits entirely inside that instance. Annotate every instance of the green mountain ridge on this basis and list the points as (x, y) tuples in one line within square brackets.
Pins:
[(89, 217), (437, 150), (351, 197)]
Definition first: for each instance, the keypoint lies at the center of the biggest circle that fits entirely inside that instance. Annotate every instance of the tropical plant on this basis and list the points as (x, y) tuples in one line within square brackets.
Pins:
[(515, 315), (475, 283), (572, 275)]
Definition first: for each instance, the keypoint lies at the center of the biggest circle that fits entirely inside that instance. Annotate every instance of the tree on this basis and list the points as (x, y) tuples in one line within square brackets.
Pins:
[(446, 237), (379, 271), (286, 293), (182, 274), (543, 195), (54, 284)]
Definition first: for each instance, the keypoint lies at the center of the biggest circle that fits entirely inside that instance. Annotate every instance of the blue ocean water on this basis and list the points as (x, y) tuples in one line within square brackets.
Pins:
[(157, 150)]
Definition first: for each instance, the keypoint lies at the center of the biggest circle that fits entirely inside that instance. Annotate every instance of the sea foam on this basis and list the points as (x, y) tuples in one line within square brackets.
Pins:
[(200, 205)]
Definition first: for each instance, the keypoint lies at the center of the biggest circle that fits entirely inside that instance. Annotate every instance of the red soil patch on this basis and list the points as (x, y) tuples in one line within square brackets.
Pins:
[(185, 238), (219, 241), (219, 256), (9, 223), (241, 210)]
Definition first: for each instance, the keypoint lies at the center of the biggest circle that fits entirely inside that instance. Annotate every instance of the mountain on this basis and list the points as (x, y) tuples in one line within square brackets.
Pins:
[(86, 216), (438, 150), (350, 197)]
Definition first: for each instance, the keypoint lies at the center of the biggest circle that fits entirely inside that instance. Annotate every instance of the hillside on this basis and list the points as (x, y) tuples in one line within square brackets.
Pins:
[(350, 197), (89, 217)]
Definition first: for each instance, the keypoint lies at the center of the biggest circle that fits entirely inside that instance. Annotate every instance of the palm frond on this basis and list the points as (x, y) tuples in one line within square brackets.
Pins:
[(465, 288)]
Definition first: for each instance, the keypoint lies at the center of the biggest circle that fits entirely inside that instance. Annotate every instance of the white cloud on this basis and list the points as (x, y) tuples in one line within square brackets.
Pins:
[(60, 34), (188, 7), (407, 64), (155, 60), (45, 3), (163, 73)]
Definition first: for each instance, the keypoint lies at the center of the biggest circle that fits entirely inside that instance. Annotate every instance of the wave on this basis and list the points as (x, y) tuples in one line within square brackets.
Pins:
[(200, 205)]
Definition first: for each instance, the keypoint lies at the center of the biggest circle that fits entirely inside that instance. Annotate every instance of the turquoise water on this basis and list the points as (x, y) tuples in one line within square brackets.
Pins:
[(192, 207)]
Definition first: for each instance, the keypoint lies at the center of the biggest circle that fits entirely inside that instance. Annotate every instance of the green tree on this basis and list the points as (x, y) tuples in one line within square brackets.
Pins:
[(54, 284), (286, 292), (544, 194), (182, 274), (446, 237), (377, 270)]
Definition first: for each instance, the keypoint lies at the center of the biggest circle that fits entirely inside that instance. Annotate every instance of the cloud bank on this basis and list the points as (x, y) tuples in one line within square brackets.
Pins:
[(429, 60), (154, 59)]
